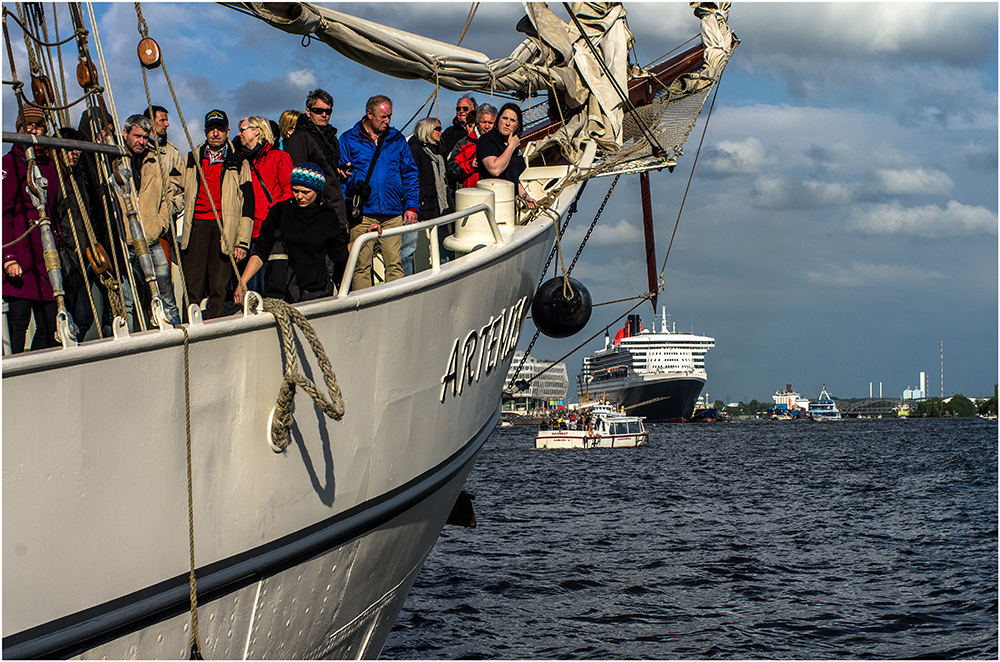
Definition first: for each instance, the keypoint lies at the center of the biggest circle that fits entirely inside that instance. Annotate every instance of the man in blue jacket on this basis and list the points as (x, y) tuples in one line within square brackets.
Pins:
[(394, 187)]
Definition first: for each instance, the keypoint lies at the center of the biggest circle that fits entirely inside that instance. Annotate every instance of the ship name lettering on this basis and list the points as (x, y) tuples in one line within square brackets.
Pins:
[(495, 341)]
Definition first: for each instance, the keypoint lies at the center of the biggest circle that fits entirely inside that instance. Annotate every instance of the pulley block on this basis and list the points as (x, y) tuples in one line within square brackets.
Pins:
[(149, 53)]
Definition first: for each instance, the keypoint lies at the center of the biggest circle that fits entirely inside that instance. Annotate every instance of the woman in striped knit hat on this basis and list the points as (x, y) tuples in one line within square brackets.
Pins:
[(314, 239)]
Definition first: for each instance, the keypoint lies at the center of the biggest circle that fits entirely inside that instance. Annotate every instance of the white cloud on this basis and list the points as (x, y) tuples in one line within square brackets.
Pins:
[(913, 181), (867, 274), (622, 232), (304, 78), (780, 193), (738, 157), (930, 221)]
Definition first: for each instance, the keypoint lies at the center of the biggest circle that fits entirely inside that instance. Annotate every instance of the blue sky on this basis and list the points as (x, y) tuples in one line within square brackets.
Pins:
[(842, 220)]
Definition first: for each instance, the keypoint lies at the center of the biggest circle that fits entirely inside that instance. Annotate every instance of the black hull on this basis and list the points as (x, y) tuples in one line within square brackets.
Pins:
[(670, 400)]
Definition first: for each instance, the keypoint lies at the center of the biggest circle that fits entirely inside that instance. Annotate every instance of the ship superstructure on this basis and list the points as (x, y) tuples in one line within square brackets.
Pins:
[(658, 375)]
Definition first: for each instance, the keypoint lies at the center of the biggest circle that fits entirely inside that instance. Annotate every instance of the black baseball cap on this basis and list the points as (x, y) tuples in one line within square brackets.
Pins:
[(216, 118)]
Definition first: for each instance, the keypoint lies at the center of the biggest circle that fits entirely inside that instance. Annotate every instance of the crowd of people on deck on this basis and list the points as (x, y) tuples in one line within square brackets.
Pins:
[(273, 208)]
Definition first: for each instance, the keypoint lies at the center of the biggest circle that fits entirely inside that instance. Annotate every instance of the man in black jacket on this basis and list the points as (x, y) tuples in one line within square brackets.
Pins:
[(458, 129), (315, 141)]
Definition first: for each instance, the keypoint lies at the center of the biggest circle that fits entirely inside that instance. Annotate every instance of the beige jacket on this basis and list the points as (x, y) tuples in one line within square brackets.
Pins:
[(172, 167), (237, 200), (154, 206)]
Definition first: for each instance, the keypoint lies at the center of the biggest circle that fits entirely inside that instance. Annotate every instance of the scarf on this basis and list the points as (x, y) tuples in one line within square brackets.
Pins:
[(437, 163)]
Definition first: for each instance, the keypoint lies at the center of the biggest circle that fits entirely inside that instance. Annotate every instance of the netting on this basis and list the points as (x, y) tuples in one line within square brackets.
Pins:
[(670, 118)]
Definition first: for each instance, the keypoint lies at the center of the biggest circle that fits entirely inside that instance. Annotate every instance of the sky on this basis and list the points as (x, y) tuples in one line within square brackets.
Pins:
[(841, 221)]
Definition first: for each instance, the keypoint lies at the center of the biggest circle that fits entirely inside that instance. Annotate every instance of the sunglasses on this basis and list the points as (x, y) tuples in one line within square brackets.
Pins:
[(316, 110), (437, 128)]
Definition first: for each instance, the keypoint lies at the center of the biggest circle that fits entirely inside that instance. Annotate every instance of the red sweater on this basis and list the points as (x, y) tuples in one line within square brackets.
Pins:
[(272, 168), (213, 175), (465, 157)]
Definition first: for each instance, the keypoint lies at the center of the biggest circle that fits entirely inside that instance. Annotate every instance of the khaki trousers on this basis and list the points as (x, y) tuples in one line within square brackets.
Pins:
[(390, 247)]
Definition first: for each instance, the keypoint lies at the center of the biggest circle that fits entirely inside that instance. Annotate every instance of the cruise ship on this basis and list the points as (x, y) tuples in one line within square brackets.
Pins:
[(655, 375)]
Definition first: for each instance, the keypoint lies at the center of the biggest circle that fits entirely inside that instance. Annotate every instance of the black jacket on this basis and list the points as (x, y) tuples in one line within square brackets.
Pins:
[(319, 145)]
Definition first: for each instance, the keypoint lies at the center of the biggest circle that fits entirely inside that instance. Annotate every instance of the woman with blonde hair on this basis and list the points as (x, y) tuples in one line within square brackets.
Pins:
[(424, 146), (286, 123), (270, 170)]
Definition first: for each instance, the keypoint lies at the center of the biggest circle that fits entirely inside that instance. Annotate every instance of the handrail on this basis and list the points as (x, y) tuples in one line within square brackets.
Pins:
[(352, 259)]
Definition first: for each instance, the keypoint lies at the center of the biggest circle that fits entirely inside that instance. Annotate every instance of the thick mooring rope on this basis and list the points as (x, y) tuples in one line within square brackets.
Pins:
[(286, 316)]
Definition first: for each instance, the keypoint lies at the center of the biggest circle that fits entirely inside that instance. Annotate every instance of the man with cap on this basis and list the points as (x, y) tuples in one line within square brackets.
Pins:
[(221, 215), (312, 237)]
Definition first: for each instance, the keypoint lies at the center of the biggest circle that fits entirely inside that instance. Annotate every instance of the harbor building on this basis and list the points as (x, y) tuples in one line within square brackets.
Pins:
[(546, 392), (917, 394)]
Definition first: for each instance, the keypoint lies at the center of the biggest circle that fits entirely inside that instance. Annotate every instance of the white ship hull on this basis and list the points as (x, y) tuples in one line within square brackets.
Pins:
[(305, 553)]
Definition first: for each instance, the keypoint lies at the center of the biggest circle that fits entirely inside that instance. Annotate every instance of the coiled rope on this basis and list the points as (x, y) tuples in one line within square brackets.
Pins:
[(286, 317)]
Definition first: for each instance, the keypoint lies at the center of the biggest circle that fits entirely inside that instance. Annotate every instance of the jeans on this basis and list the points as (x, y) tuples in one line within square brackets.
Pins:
[(408, 248), (78, 305), (161, 268)]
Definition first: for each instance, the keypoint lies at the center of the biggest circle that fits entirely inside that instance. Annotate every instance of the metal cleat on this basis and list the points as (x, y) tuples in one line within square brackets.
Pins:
[(253, 304), (194, 314), (119, 328), (66, 329)]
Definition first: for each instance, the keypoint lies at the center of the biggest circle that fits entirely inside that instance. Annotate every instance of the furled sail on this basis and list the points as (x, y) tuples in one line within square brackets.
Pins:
[(582, 65)]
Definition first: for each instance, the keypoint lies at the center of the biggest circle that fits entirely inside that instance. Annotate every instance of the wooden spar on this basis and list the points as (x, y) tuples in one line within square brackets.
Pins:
[(647, 227), (62, 143), (640, 90)]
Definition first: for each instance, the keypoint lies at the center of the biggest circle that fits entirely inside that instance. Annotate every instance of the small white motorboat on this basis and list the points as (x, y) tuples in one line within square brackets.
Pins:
[(598, 426)]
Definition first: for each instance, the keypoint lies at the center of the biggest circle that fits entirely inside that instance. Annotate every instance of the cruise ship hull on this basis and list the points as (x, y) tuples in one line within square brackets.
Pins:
[(661, 398)]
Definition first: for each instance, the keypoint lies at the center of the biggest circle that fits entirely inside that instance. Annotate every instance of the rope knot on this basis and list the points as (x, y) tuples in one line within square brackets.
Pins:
[(286, 317)]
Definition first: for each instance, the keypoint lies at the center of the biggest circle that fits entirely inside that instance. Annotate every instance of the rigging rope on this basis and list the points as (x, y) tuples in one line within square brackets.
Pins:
[(195, 639), (694, 164), (190, 142)]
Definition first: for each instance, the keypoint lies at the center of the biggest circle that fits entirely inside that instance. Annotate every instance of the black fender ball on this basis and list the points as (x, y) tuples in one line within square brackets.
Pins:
[(554, 314)]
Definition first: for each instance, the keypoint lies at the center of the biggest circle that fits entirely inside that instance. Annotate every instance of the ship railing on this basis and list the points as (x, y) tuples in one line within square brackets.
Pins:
[(432, 225)]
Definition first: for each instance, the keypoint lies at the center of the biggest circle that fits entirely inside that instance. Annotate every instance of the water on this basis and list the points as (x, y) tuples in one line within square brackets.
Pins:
[(754, 539)]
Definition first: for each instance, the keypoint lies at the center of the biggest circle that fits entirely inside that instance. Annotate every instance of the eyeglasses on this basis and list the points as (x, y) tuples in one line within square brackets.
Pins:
[(463, 108), (242, 129), (437, 128), (316, 110)]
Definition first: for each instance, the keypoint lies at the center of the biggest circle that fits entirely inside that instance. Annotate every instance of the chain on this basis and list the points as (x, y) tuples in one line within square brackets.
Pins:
[(593, 225)]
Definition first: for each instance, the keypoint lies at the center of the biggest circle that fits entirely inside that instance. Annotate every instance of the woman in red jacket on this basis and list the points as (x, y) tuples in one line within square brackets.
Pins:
[(270, 172)]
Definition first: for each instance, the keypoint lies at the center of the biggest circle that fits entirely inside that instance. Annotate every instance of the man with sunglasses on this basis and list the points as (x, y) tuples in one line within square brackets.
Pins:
[(459, 128), (315, 141)]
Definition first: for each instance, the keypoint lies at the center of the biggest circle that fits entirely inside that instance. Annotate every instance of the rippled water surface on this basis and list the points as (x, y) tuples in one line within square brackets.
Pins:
[(784, 539)]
